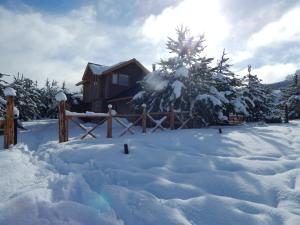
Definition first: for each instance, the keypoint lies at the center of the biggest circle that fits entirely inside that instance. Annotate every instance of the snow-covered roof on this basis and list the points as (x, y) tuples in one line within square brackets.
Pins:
[(98, 69)]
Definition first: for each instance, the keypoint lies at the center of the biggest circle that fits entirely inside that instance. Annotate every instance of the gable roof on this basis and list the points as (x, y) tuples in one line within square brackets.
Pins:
[(97, 69), (100, 70)]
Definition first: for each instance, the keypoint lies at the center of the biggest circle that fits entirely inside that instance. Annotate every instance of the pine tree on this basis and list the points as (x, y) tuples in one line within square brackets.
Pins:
[(49, 105), (254, 94), (180, 78), (2, 103), (292, 97), (27, 98), (189, 81), (273, 111), (228, 86)]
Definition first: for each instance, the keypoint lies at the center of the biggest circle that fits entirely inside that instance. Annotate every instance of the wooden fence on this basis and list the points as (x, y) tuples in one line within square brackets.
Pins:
[(8, 124), (149, 121)]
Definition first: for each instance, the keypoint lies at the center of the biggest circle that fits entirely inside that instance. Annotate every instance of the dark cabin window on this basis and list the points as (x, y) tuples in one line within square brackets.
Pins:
[(120, 79), (123, 80)]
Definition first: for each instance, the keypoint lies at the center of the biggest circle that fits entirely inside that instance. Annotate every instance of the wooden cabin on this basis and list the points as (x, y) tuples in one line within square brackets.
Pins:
[(116, 85)]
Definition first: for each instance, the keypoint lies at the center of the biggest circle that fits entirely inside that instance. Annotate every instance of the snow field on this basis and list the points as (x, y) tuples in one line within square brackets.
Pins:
[(250, 174)]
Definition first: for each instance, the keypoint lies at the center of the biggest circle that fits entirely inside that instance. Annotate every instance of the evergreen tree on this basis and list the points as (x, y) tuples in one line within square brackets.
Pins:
[(27, 98), (2, 103), (189, 81), (49, 104), (273, 112), (255, 96), (292, 97), (228, 86)]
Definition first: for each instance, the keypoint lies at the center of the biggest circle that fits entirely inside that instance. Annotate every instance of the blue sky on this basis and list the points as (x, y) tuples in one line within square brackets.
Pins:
[(56, 38)]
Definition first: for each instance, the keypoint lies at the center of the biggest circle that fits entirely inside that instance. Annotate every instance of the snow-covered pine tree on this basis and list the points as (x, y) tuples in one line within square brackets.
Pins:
[(254, 94), (227, 85), (181, 79), (273, 110), (49, 105), (172, 82), (2, 103), (292, 96), (27, 99)]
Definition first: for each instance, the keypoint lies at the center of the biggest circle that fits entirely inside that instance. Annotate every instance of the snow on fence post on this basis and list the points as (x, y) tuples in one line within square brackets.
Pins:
[(144, 118), (9, 131), (172, 117), (61, 98), (109, 122)]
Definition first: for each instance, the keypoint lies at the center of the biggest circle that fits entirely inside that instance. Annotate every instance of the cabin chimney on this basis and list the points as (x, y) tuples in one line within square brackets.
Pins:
[(153, 67)]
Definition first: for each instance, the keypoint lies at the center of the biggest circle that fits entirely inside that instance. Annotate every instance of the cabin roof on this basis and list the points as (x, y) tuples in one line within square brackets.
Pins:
[(100, 70), (97, 69)]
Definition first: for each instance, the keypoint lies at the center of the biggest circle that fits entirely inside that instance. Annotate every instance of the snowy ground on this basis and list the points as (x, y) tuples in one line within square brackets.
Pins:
[(248, 175)]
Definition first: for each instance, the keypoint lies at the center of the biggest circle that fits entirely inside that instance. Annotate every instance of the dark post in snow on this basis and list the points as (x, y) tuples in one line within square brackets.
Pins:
[(126, 151), (61, 98), (16, 131), (172, 117), (144, 118), (109, 121), (9, 131), (286, 113)]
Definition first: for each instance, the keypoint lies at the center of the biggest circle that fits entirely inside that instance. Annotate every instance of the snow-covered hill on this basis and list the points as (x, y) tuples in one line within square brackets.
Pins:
[(248, 175)]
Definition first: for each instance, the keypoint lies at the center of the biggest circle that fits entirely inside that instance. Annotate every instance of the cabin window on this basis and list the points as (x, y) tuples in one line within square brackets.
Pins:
[(120, 79), (123, 80), (115, 78), (95, 81)]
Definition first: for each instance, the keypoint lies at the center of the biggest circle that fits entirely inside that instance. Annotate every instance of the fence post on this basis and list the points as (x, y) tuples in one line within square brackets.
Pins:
[(144, 118), (9, 131), (172, 117), (61, 98), (109, 122)]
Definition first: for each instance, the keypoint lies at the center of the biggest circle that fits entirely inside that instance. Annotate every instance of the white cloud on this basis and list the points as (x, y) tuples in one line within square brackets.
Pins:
[(272, 43), (287, 28), (240, 56), (45, 46), (59, 46), (199, 15), (284, 30), (276, 72), (273, 73)]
